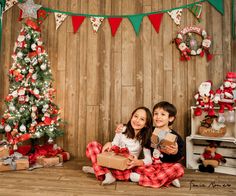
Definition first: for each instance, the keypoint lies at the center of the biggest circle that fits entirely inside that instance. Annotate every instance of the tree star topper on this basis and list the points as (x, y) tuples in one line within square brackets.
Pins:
[(29, 9)]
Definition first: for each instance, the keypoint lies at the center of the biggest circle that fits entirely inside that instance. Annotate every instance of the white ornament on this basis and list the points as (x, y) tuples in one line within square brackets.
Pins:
[(31, 70), (21, 38), (12, 108), (47, 115), (50, 140), (27, 59), (22, 128), (33, 115), (46, 106), (34, 108), (33, 46), (43, 66), (28, 36), (39, 42), (34, 76), (36, 91), (38, 134), (22, 109), (21, 91), (14, 94), (27, 98), (7, 128), (19, 55)]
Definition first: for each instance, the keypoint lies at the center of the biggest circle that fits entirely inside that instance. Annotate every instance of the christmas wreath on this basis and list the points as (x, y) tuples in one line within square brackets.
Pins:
[(187, 41)]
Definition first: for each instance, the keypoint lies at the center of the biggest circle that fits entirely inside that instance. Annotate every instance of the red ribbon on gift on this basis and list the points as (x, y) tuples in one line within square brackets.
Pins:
[(120, 151)]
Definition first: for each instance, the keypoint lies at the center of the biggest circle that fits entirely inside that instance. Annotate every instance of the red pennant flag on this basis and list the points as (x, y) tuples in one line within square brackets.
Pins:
[(114, 23), (156, 20), (76, 22)]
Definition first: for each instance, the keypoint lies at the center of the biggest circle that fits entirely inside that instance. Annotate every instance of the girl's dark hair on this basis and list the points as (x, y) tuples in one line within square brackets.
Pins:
[(168, 107), (145, 133)]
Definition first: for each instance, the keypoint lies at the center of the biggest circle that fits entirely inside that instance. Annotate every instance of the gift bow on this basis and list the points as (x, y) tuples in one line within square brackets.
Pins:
[(119, 150), (11, 160)]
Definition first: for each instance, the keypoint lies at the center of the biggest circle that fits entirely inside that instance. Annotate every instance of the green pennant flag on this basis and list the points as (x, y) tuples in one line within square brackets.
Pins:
[(218, 4), (136, 22)]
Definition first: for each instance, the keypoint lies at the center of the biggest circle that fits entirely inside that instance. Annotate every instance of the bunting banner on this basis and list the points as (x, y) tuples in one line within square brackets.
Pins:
[(29, 9)]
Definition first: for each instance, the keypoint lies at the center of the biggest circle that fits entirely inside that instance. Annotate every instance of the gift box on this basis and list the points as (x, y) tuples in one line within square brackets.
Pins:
[(163, 138), (169, 139), (64, 156), (20, 164), (47, 161), (4, 151), (112, 160)]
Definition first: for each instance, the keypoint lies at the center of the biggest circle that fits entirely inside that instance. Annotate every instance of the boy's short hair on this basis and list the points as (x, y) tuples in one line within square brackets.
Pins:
[(168, 107)]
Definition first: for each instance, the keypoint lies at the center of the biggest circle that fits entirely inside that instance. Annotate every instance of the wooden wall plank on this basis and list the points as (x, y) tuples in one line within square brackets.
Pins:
[(82, 86), (116, 72), (147, 57), (93, 64), (157, 57), (105, 74), (128, 47)]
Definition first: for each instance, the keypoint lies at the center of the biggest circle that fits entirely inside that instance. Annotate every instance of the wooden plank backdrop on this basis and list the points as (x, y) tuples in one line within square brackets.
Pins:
[(100, 79)]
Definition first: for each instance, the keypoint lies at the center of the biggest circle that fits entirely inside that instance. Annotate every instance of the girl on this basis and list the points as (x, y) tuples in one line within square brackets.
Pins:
[(135, 137)]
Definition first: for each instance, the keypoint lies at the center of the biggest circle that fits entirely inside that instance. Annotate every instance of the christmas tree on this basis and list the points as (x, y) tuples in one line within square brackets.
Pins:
[(30, 112)]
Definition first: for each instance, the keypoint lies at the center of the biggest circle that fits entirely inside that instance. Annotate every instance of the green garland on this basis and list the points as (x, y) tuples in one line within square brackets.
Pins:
[(123, 16)]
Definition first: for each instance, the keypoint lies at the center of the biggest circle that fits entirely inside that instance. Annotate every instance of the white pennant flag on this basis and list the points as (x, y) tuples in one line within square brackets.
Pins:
[(96, 22), (9, 4), (60, 18), (176, 15)]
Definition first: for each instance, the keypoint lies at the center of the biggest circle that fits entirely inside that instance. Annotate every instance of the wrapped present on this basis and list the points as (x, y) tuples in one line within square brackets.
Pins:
[(10, 164), (64, 156), (4, 151), (112, 160), (163, 138), (47, 161), (170, 139)]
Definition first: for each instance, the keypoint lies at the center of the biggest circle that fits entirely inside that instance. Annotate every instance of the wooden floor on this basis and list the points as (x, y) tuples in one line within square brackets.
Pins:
[(70, 180)]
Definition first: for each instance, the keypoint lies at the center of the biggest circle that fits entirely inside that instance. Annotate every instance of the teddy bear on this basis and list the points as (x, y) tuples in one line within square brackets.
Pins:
[(205, 99), (210, 159), (225, 98)]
